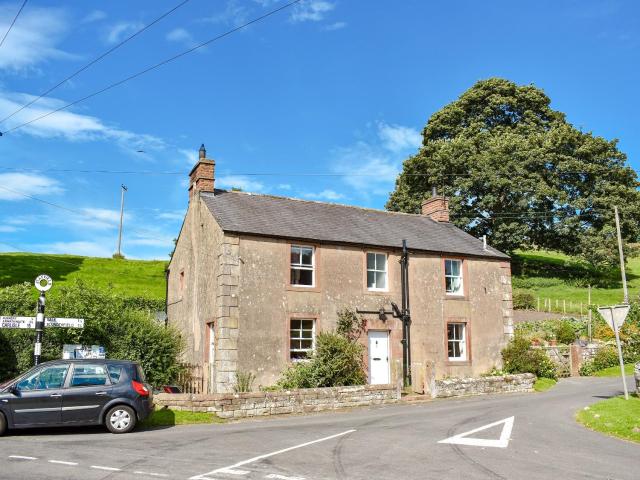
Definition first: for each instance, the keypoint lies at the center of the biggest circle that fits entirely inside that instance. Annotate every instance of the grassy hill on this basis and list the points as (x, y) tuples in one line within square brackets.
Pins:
[(552, 275), (132, 277)]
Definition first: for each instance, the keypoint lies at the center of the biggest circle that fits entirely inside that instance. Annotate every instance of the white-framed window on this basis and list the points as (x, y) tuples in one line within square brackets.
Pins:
[(302, 338), (453, 277), (457, 341), (302, 266), (377, 275)]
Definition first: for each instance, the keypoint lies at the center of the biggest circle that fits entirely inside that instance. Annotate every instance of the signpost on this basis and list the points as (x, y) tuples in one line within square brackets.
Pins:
[(43, 283), (615, 317)]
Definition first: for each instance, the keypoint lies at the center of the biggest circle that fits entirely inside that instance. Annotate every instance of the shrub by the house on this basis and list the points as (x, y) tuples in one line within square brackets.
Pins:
[(519, 357), (337, 360)]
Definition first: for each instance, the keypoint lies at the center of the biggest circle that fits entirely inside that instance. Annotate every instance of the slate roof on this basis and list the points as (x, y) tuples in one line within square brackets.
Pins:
[(289, 218)]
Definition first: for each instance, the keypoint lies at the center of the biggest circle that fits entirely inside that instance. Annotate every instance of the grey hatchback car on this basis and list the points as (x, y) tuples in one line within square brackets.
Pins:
[(113, 393)]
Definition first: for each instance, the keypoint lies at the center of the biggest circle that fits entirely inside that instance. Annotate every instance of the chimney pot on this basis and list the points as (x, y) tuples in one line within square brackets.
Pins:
[(202, 153)]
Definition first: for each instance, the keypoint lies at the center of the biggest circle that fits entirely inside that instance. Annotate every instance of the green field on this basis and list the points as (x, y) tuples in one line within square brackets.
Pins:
[(554, 276), (614, 416), (132, 277)]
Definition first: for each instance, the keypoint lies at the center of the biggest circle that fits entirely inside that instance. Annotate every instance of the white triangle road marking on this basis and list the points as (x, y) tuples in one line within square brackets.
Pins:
[(502, 442)]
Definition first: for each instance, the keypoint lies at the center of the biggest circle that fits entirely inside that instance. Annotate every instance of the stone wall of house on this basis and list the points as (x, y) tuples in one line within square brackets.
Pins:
[(458, 387), (240, 405)]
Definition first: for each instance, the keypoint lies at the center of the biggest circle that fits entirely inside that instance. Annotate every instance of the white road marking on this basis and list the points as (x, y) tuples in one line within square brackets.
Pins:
[(502, 442), (234, 472), (61, 462), (283, 477), (20, 457), (152, 474), (109, 469), (204, 476)]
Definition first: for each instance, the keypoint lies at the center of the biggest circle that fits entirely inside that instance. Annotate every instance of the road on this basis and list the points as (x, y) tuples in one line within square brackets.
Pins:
[(389, 442)]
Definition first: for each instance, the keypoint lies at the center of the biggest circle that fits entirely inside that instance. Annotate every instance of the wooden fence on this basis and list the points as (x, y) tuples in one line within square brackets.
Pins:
[(191, 380)]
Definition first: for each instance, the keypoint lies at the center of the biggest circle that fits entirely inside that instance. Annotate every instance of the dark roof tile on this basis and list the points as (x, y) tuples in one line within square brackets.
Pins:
[(282, 217)]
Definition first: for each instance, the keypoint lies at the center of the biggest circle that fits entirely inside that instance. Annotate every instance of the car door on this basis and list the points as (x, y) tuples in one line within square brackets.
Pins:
[(88, 391), (38, 397)]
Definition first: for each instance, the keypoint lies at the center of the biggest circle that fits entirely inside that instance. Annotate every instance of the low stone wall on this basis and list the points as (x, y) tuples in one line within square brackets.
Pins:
[(239, 405), (457, 387)]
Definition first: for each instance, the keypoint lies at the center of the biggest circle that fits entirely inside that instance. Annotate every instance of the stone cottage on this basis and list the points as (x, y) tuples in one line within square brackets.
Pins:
[(254, 278)]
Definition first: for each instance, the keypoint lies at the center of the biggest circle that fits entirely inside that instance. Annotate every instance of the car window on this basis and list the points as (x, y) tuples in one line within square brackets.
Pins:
[(44, 379), (115, 372), (89, 374), (141, 376)]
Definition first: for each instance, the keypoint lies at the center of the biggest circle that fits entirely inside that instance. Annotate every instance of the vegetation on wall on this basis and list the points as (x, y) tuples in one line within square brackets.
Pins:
[(515, 170), (125, 327), (337, 360)]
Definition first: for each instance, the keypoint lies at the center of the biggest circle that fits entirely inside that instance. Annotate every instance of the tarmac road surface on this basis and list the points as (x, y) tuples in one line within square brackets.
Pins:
[(533, 436)]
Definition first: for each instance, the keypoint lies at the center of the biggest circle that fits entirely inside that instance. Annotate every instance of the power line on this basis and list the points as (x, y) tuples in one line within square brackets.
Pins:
[(251, 174), (153, 67), (94, 61), (12, 23)]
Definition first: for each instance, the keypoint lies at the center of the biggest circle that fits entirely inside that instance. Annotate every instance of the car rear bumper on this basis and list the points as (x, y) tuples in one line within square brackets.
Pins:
[(145, 407)]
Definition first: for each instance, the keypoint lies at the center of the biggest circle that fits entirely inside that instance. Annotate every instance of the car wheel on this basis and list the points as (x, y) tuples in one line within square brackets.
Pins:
[(3, 424), (120, 419)]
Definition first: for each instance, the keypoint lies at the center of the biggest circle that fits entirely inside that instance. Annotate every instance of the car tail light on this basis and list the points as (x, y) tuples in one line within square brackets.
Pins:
[(140, 388)]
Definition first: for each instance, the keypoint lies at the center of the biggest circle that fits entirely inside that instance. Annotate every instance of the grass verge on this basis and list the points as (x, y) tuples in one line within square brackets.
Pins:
[(615, 416), (544, 384), (165, 417), (615, 371)]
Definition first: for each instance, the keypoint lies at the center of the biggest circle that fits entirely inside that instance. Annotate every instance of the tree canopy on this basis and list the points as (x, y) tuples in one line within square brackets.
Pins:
[(515, 170)]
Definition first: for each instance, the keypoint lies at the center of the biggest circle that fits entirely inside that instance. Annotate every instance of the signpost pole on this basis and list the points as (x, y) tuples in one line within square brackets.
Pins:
[(620, 359), (37, 349)]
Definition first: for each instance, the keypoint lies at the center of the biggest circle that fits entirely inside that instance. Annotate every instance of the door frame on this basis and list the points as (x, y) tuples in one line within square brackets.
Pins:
[(388, 334)]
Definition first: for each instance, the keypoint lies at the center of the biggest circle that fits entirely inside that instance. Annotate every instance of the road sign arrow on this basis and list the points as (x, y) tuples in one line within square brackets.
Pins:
[(502, 442)]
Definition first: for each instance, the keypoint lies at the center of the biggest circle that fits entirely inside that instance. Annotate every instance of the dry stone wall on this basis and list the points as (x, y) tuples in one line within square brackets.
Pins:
[(254, 404), (458, 387)]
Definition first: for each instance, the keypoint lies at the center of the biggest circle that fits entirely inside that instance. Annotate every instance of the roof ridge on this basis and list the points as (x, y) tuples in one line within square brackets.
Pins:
[(281, 197)]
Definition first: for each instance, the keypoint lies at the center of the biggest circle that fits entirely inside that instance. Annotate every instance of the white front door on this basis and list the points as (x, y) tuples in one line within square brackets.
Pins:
[(378, 357)]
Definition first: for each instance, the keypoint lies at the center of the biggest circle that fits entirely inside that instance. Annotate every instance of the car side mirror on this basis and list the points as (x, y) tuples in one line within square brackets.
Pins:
[(13, 390)]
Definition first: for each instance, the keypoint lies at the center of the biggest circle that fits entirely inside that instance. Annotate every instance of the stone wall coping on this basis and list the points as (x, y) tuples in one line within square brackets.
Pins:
[(324, 391)]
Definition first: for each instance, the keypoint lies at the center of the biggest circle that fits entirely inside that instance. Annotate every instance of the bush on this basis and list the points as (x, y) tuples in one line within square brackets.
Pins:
[(565, 333), (587, 369), (523, 300), (605, 357), (244, 382), (110, 320), (519, 357), (337, 361)]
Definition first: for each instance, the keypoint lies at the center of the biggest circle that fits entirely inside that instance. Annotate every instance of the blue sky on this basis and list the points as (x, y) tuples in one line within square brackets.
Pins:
[(327, 86)]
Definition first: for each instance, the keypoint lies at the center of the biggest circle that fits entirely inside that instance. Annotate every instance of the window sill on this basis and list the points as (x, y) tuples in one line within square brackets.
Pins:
[(452, 296), (458, 363), (302, 288), (371, 291)]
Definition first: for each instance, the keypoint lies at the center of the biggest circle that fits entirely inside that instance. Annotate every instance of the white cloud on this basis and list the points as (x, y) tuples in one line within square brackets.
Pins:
[(33, 38), (9, 229), (27, 184), (234, 14), (324, 195), (182, 36), (311, 10), (69, 125), (335, 26), (177, 215), (100, 219), (284, 186), (84, 248), (240, 181), (94, 16), (398, 138), (119, 31), (367, 168)]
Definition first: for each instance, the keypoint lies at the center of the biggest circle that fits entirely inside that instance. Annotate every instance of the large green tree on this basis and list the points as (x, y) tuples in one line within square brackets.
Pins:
[(516, 170)]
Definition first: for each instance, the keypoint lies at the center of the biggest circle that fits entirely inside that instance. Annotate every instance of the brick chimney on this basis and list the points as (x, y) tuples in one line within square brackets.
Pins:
[(201, 177), (436, 207)]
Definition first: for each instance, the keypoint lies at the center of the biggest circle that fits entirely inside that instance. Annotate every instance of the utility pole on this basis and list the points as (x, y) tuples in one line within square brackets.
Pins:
[(406, 316), (589, 309), (123, 189), (622, 272)]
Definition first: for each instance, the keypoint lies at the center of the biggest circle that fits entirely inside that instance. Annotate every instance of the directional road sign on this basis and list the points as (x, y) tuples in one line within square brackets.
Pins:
[(30, 322)]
